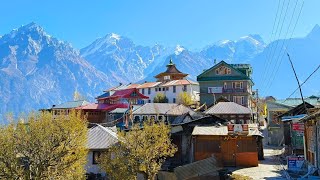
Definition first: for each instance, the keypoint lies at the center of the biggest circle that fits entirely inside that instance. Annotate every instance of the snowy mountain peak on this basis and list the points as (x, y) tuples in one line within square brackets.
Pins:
[(254, 39), (115, 36), (179, 49)]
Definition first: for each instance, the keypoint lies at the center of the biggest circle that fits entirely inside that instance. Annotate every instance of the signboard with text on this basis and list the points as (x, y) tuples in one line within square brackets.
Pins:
[(295, 163), (213, 90)]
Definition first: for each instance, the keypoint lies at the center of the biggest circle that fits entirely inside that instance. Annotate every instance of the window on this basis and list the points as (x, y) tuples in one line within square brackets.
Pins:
[(149, 90), (142, 91), (167, 88), (159, 89), (184, 88), (144, 118), (174, 100), (225, 85), (174, 89), (152, 118), (237, 85), (156, 89), (95, 157), (163, 89), (242, 100), (223, 70), (166, 77), (149, 101), (160, 118), (238, 99)]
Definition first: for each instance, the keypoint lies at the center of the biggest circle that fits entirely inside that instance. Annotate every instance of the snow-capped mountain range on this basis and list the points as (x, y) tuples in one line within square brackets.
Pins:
[(37, 70)]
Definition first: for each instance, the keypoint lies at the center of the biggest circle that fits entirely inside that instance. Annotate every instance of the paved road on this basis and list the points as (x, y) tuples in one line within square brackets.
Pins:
[(268, 169)]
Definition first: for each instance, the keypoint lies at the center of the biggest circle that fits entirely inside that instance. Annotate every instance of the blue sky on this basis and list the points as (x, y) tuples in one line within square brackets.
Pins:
[(193, 24)]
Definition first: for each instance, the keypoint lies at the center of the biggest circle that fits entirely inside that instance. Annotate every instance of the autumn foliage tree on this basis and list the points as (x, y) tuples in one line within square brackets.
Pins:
[(160, 98), (184, 98), (141, 150), (44, 148)]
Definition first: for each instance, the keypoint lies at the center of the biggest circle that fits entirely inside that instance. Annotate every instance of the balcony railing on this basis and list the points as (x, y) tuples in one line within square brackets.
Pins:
[(234, 90)]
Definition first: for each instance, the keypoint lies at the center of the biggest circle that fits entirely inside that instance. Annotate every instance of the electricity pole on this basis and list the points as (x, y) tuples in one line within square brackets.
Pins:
[(295, 74)]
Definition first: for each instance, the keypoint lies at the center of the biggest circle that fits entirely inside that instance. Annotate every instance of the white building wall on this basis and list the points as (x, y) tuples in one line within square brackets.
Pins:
[(192, 90), (93, 168)]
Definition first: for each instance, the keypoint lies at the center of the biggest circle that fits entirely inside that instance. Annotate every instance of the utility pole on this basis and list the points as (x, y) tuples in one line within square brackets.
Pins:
[(295, 74), (257, 91)]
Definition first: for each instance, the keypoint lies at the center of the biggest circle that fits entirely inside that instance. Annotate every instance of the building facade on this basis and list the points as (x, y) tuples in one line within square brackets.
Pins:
[(230, 81)]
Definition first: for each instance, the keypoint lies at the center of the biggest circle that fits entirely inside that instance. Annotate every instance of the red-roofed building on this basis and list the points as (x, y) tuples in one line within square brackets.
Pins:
[(98, 112)]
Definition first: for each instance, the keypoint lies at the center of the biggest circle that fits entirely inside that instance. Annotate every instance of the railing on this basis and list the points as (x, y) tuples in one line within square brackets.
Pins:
[(234, 90)]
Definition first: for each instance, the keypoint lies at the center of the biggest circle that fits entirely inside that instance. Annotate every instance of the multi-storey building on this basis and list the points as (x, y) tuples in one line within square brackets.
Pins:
[(171, 83), (228, 81)]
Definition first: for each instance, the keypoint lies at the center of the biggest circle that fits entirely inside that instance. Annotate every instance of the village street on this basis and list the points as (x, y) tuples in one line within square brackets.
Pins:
[(269, 168)]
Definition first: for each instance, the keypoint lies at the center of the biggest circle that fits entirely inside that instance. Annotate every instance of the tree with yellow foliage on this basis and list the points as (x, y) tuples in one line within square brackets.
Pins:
[(44, 148), (141, 150), (184, 98)]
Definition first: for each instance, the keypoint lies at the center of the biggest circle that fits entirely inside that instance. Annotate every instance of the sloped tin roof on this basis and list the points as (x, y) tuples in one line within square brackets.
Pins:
[(71, 104), (228, 108), (100, 137)]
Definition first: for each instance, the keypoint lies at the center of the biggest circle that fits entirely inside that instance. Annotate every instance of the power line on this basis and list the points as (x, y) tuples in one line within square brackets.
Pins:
[(277, 42), (272, 39), (279, 58), (302, 83)]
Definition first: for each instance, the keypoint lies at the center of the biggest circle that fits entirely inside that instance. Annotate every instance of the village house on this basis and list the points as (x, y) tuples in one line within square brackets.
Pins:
[(67, 107), (233, 145), (230, 81), (97, 112), (171, 83), (160, 112), (232, 112), (312, 138), (99, 139), (274, 123), (293, 129)]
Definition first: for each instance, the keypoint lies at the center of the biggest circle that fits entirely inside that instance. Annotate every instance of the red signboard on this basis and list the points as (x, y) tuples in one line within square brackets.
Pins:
[(298, 127)]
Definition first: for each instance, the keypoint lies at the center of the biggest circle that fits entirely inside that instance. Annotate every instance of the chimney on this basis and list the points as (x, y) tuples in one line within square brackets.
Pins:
[(120, 84), (145, 81), (215, 61), (53, 106)]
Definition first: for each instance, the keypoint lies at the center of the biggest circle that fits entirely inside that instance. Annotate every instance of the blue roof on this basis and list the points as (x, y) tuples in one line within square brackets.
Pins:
[(107, 94), (292, 118), (71, 104)]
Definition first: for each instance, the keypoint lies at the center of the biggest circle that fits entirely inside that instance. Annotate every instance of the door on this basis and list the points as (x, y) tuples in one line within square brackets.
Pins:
[(228, 149)]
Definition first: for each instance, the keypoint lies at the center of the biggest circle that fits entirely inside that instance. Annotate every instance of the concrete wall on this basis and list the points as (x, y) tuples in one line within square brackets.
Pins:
[(93, 168), (192, 90)]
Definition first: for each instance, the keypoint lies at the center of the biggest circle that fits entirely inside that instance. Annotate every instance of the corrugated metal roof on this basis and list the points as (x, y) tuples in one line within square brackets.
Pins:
[(179, 110), (100, 137), (179, 82), (221, 131), (154, 108), (228, 108), (123, 110), (148, 85), (71, 104), (106, 107), (198, 168), (210, 130), (313, 100)]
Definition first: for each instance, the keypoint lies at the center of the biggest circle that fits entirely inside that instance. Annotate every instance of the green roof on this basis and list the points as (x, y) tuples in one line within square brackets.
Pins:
[(223, 78), (237, 67), (71, 104), (313, 100)]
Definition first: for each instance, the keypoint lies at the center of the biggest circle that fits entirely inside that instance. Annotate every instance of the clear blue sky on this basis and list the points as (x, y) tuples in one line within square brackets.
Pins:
[(192, 24)]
